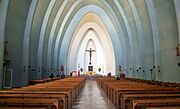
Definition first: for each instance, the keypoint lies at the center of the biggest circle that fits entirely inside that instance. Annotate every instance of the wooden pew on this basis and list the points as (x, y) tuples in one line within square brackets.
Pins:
[(66, 90), (68, 83), (22, 107), (142, 104), (153, 82), (126, 99), (21, 95), (164, 107), (31, 102), (118, 90), (58, 93)]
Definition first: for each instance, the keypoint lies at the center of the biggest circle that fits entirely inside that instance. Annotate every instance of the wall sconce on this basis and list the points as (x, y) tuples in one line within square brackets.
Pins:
[(24, 68), (39, 69), (137, 70), (33, 69), (151, 70), (151, 73)]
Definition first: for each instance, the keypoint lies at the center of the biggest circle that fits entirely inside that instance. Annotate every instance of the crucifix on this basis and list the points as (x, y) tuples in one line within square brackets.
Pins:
[(90, 54)]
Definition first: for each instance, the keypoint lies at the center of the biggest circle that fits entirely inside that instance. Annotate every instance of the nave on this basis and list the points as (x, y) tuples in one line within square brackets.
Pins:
[(70, 39), (92, 93), (139, 38)]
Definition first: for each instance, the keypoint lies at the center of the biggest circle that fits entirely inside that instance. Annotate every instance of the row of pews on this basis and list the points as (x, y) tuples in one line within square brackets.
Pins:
[(130, 94), (38, 81), (154, 82), (57, 94)]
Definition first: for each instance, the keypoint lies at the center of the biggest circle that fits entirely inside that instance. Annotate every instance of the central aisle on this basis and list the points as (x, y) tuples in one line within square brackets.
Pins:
[(92, 97)]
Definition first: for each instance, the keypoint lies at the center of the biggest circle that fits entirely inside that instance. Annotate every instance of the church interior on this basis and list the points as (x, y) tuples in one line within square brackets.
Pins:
[(90, 54)]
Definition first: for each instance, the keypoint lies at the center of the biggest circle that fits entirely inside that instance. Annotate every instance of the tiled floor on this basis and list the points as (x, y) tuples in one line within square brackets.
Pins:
[(92, 97)]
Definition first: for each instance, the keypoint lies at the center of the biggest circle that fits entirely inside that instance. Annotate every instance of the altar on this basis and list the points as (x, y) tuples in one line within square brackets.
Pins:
[(90, 73)]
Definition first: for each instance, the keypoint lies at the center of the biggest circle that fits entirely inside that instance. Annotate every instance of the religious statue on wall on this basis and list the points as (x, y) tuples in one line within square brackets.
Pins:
[(119, 68), (62, 68), (7, 61), (62, 71), (5, 49)]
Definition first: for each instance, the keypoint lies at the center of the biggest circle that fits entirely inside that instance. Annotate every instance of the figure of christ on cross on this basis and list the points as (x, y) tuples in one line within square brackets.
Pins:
[(90, 54)]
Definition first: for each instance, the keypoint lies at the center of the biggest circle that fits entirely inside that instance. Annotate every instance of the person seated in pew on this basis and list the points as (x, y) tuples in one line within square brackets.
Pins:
[(122, 76), (51, 76), (109, 74), (58, 75), (117, 78)]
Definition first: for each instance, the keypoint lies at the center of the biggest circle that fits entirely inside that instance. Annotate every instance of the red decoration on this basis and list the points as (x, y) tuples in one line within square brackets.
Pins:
[(78, 72)]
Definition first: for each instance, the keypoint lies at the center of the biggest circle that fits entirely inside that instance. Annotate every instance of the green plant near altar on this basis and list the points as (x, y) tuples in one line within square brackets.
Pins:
[(99, 69), (81, 69)]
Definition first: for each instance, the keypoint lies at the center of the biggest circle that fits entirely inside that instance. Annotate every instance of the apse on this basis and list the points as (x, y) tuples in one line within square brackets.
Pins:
[(83, 56), (91, 33)]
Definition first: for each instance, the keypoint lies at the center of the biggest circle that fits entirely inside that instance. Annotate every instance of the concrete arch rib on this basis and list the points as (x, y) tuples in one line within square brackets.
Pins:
[(131, 43), (90, 41), (25, 51), (140, 34), (74, 22), (177, 8), (52, 32), (81, 33), (100, 49), (58, 41), (100, 42), (156, 38), (124, 40), (102, 45), (4, 4), (42, 35)]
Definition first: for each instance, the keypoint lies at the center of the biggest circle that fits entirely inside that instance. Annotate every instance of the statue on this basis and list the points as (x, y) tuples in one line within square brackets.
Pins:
[(5, 49), (62, 68), (7, 60)]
